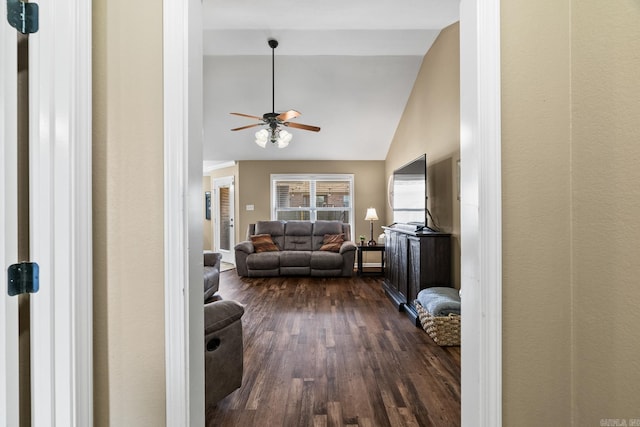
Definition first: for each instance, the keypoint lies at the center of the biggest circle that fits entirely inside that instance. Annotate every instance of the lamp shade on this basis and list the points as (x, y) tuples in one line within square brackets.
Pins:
[(372, 215)]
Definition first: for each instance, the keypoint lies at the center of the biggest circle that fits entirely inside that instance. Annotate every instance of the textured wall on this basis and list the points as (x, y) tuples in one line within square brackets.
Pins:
[(431, 124), (129, 369), (536, 213), (570, 208), (606, 205)]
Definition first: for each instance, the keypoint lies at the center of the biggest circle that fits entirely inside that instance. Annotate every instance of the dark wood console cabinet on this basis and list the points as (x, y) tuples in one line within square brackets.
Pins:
[(415, 260)]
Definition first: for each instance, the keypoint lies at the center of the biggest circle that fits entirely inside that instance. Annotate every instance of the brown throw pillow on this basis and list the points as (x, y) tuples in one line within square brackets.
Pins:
[(332, 242), (263, 243)]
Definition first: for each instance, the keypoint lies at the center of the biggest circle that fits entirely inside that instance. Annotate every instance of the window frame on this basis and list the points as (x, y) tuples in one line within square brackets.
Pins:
[(313, 210)]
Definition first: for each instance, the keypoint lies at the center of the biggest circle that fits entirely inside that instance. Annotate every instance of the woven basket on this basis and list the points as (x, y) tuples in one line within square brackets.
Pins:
[(444, 330)]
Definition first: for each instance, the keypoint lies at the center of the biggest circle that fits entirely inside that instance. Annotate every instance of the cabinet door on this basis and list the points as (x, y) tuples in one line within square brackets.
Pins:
[(396, 246), (436, 261), (414, 273), (391, 272), (403, 265)]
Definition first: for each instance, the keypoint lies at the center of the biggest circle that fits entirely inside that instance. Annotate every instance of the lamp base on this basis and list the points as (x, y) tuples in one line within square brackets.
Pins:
[(371, 242)]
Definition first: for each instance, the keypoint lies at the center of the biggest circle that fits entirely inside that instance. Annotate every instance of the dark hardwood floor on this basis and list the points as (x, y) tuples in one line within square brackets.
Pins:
[(335, 352)]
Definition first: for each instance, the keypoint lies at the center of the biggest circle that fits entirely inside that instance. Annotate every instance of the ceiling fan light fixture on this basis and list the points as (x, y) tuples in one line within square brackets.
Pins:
[(284, 138), (262, 136)]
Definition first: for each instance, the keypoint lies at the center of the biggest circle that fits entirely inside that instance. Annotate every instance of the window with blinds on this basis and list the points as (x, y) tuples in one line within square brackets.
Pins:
[(312, 197)]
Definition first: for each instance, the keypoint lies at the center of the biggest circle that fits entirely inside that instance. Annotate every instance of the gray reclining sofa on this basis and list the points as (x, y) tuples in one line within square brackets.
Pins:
[(297, 250)]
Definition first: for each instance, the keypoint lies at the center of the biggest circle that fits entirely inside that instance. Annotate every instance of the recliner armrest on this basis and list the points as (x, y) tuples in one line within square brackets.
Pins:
[(212, 259), (220, 314)]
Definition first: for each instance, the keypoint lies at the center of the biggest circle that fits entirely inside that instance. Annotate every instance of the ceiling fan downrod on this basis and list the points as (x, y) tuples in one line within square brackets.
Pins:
[(273, 44)]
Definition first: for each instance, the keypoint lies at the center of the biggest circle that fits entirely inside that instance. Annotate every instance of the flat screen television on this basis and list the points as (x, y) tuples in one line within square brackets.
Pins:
[(409, 193)]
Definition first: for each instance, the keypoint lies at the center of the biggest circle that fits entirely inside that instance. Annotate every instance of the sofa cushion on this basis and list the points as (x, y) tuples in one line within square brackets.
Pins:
[(295, 258), (263, 243), (297, 236), (320, 228), (323, 260), (332, 242), (274, 228), (263, 261)]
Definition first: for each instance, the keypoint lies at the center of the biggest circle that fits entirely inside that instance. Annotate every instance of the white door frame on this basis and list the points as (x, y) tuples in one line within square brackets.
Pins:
[(480, 210), (60, 214), (184, 308), (9, 400), (227, 181)]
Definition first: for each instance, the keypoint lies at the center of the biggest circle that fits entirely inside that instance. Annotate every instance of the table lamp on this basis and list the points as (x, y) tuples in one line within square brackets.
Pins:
[(371, 216)]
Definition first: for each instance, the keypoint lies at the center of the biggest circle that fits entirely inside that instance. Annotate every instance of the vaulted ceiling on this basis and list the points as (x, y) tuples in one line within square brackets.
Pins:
[(348, 67)]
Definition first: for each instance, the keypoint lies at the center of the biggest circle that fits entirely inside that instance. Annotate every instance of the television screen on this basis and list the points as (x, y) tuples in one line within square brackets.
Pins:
[(410, 192)]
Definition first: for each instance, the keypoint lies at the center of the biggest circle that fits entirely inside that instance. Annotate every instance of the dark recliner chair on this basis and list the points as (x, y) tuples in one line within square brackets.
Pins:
[(223, 357), (223, 342), (211, 274)]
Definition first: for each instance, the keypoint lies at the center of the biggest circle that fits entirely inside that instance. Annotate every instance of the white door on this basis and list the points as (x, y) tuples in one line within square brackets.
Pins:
[(224, 231), (59, 216)]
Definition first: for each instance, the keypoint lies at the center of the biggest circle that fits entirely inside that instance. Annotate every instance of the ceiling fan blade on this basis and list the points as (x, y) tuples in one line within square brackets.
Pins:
[(301, 126), (248, 126), (288, 115), (247, 115)]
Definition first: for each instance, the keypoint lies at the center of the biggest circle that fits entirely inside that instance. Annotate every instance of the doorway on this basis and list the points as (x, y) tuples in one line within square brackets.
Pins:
[(480, 195), (223, 221)]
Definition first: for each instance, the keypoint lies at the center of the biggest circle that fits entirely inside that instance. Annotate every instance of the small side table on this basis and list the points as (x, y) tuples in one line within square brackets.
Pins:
[(365, 248)]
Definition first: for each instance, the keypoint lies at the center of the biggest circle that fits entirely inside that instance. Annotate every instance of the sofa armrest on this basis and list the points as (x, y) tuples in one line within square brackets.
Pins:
[(243, 250), (245, 246), (348, 246)]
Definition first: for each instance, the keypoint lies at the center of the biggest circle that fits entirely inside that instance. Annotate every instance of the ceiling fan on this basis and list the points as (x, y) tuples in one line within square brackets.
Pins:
[(274, 121)]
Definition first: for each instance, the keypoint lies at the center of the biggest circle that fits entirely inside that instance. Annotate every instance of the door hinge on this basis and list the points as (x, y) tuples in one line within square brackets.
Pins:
[(23, 16), (23, 277)]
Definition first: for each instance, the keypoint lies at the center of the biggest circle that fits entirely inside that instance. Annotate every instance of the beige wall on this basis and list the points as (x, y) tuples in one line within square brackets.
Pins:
[(536, 213), (129, 365), (605, 152), (570, 205), (254, 189), (431, 124)]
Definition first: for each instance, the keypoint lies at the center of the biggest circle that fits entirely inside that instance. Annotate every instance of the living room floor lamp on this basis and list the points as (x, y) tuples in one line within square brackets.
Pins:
[(372, 215)]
